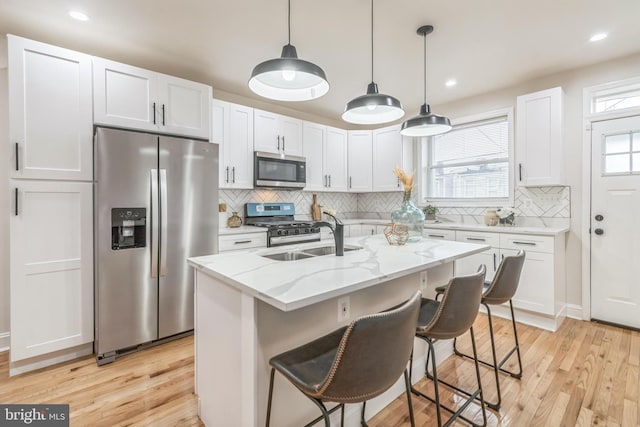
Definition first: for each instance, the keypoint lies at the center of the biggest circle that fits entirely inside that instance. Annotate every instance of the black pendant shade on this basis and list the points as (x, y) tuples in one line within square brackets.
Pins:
[(426, 123), (288, 78)]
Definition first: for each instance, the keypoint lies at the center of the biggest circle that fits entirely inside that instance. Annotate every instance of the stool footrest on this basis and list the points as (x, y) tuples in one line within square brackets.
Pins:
[(456, 413)]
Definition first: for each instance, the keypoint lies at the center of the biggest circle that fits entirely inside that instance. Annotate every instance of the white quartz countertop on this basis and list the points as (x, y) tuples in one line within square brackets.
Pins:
[(541, 231), (290, 285)]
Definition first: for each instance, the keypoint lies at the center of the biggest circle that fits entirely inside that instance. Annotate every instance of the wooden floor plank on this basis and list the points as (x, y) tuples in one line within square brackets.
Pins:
[(584, 374)]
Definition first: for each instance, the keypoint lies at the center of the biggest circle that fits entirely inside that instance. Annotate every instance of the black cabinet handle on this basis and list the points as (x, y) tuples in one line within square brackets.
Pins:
[(283, 143), (227, 177), (233, 174), (494, 261), (329, 181), (17, 162), (439, 236), (476, 239), (325, 180), (163, 121), (241, 242), (154, 113), (520, 171), (278, 142), (350, 182), (16, 193)]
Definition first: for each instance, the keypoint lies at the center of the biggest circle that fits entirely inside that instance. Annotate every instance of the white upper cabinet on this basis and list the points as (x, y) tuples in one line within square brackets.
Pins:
[(50, 120), (539, 139), (51, 267), (275, 133), (387, 154), (325, 149), (132, 97), (360, 160), (335, 159), (233, 130)]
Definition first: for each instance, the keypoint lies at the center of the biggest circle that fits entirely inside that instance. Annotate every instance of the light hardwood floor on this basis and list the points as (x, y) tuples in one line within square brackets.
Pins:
[(584, 374)]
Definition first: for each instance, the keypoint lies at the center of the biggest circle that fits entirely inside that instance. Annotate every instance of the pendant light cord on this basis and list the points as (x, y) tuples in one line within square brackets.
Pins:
[(425, 68), (372, 40), (289, 21)]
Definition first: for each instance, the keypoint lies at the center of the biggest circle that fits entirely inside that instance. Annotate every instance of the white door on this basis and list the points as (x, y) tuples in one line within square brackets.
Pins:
[(615, 230), (184, 107), (51, 267), (124, 96), (50, 104)]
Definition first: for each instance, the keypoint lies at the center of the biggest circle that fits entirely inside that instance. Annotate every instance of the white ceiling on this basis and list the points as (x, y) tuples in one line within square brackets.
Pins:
[(483, 44)]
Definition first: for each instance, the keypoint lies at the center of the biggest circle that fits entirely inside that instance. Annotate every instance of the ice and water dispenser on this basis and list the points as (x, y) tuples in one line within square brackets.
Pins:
[(128, 228)]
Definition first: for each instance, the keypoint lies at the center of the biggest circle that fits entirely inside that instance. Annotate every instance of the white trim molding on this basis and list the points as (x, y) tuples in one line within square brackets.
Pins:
[(4, 341)]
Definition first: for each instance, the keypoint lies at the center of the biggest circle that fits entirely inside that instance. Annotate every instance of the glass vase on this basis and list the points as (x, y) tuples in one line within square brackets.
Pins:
[(411, 216)]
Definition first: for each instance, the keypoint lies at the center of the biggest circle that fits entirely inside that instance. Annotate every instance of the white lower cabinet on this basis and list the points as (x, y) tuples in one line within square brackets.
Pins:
[(51, 267), (241, 242), (490, 258)]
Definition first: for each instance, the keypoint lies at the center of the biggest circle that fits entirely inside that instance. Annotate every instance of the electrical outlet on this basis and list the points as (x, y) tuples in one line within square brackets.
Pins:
[(423, 281), (344, 309)]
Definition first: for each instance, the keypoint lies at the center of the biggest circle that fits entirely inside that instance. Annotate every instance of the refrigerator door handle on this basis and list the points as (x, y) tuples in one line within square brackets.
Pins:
[(155, 220), (163, 222)]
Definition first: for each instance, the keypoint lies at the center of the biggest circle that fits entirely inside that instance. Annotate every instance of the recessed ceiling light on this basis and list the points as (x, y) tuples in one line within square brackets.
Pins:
[(78, 15), (597, 37), (451, 83)]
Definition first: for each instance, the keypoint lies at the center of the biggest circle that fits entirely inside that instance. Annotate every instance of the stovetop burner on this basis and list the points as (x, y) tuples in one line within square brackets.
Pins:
[(279, 220)]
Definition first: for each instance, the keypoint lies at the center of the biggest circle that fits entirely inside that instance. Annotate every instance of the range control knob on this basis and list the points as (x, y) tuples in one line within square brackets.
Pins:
[(279, 232), (296, 231)]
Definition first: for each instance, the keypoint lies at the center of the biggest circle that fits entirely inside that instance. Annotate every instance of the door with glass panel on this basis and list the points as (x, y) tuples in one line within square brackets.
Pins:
[(615, 228)]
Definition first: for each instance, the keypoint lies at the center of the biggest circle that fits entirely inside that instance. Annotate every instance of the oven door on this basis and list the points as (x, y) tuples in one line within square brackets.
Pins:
[(292, 240), (279, 171)]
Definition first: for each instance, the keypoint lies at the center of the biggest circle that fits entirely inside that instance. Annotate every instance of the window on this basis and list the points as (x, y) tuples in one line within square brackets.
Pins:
[(621, 154), (470, 165)]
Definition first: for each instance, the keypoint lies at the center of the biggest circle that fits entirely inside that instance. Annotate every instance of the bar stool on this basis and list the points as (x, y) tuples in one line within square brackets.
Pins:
[(446, 319), (352, 364), (498, 291)]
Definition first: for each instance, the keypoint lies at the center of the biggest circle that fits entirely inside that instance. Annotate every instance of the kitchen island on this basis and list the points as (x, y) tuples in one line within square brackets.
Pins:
[(250, 307)]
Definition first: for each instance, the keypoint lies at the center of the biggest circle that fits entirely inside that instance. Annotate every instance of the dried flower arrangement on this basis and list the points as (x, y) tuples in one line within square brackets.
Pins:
[(405, 178)]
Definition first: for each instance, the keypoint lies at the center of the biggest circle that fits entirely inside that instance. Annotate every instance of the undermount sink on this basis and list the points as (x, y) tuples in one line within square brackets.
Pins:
[(308, 253), (288, 256), (328, 250)]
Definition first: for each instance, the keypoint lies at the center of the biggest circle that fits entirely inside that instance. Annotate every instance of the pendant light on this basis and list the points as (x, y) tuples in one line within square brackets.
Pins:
[(373, 107), (288, 78), (426, 123)]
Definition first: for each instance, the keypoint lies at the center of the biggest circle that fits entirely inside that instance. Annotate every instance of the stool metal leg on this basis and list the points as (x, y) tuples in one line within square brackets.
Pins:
[(407, 384), (475, 359), (273, 371)]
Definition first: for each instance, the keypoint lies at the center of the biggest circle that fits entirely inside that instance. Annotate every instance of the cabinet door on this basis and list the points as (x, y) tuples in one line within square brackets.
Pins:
[(239, 148), (539, 141), (124, 96), (335, 159), (469, 265), (290, 131), (50, 104), (387, 154), (360, 161), (266, 137), (183, 107), (536, 288), (51, 267), (314, 137), (219, 122)]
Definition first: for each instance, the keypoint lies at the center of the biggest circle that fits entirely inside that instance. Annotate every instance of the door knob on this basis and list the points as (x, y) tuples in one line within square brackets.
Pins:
[(599, 231), (599, 217)]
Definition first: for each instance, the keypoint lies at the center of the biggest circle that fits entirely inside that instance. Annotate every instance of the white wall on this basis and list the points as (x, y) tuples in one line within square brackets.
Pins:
[(4, 198), (573, 82)]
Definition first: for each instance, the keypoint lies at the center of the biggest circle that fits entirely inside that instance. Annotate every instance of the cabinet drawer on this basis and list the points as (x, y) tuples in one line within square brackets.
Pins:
[(526, 242), (242, 241), (438, 233), (491, 239)]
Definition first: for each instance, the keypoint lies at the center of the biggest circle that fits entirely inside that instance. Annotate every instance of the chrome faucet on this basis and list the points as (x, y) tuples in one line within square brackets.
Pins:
[(338, 232)]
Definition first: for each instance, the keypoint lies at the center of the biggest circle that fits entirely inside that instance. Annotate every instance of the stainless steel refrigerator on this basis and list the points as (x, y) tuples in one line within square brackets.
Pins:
[(155, 201)]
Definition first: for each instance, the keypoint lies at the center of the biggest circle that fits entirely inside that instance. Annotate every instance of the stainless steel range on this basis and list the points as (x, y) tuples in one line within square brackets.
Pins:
[(282, 228)]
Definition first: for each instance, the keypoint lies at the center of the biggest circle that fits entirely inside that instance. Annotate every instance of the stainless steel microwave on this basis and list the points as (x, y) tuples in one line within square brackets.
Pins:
[(279, 171)]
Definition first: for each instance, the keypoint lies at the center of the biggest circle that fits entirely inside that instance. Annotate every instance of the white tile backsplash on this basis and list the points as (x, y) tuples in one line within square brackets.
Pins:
[(533, 205)]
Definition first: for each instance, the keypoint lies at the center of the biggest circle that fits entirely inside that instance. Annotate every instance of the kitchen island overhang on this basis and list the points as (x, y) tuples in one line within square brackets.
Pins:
[(250, 308)]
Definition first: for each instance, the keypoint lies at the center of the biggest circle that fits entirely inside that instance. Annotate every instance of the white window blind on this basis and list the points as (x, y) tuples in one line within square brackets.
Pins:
[(471, 162)]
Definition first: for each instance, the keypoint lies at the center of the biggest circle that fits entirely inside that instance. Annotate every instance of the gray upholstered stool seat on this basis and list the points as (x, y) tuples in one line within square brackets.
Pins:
[(352, 364), (447, 319), (498, 291)]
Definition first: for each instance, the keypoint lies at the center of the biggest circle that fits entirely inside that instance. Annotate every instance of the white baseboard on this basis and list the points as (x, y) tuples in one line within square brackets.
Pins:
[(5, 338), (49, 359), (542, 321), (574, 311)]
